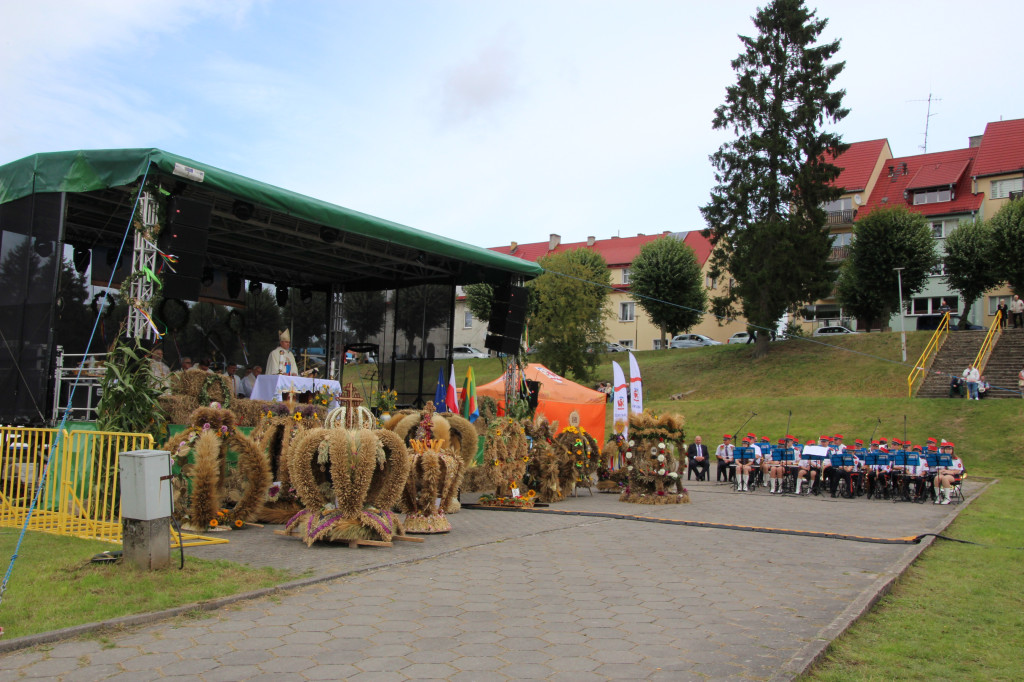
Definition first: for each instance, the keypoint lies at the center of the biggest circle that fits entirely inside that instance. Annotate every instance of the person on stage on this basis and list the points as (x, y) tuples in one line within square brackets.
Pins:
[(281, 360)]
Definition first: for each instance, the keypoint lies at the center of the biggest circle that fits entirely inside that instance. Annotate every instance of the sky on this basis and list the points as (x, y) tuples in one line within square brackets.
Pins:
[(481, 121)]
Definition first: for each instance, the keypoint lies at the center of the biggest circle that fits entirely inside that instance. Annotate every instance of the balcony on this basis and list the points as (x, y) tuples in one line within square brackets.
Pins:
[(839, 253), (844, 217)]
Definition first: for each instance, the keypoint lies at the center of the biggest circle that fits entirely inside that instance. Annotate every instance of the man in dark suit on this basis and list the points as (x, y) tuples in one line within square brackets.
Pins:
[(697, 453)]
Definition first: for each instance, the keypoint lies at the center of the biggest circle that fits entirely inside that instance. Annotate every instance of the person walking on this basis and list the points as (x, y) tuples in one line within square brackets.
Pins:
[(972, 376)]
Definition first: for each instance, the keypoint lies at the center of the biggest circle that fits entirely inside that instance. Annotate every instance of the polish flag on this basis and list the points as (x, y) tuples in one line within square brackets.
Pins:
[(451, 400)]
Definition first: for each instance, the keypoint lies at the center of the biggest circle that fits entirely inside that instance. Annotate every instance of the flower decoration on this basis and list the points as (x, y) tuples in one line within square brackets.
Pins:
[(297, 416)]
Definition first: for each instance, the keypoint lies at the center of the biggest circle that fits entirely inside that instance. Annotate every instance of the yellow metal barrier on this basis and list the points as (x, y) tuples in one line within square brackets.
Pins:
[(990, 339), (80, 496), (927, 355)]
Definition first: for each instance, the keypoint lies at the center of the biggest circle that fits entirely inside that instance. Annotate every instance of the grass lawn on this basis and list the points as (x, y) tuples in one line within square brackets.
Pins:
[(54, 585)]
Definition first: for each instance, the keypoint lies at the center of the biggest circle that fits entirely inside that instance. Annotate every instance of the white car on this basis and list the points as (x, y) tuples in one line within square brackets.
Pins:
[(617, 348), (692, 341), (466, 353), (829, 331), (738, 337)]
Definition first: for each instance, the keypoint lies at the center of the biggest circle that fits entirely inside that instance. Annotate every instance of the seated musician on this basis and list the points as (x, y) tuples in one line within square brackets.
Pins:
[(878, 474), (726, 463), (744, 467), (917, 475), (931, 454), (808, 468), (947, 477), (776, 471), (849, 472), (792, 464)]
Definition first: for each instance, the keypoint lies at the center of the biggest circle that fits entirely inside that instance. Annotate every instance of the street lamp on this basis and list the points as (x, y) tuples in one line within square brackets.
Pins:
[(903, 325)]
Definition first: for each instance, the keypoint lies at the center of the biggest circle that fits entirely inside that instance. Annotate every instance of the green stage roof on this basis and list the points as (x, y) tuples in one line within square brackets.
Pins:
[(286, 237)]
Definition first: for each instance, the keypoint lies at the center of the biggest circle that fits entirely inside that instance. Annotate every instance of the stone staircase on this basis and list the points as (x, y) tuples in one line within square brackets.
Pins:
[(960, 349), (1006, 360)]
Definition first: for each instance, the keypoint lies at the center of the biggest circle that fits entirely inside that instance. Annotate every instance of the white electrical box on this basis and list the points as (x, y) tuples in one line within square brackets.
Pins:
[(144, 496)]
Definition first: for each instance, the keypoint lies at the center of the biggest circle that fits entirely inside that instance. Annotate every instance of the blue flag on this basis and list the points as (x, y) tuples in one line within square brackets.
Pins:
[(441, 390)]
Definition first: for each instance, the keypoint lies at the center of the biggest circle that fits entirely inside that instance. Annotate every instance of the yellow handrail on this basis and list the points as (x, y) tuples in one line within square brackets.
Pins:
[(934, 344), (990, 339)]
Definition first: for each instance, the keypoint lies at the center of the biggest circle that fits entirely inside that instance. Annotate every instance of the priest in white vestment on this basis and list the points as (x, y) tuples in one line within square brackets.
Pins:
[(281, 360)]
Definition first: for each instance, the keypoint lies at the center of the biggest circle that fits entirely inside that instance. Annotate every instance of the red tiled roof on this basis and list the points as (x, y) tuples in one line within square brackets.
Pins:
[(938, 174), (888, 191), (857, 163), (617, 251), (1002, 148)]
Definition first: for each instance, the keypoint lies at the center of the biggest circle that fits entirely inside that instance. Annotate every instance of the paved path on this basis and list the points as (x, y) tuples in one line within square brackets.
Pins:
[(530, 596)]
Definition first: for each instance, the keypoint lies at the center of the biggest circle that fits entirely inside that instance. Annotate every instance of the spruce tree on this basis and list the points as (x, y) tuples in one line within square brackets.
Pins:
[(765, 218)]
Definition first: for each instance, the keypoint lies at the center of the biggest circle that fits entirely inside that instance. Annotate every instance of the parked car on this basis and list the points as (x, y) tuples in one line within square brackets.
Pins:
[(692, 341), (738, 337), (835, 329), (617, 348), (467, 352)]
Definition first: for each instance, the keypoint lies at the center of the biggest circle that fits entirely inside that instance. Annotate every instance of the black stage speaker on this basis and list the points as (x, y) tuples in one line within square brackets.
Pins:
[(508, 316), (185, 235)]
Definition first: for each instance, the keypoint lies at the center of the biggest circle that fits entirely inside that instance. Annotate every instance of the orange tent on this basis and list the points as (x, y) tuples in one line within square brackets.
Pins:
[(560, 400)]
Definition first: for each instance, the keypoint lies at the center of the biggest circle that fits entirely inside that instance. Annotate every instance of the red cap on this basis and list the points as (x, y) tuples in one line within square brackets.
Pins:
[(812, 442), (828, 438), (726, 435), (790, 436), (933, 440), (838, 436), (917, 447), (897, 441), (782, 441), (874, 442), (751, 436), (947, 444), (858, 442), (932, 447)]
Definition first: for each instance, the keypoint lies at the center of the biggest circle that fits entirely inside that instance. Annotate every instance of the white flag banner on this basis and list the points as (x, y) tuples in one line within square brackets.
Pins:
[(619, 399), (636, 387)]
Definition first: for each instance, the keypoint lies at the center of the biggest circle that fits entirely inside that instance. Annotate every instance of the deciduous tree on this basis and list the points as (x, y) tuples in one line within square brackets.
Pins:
[(886, 239), (765, 218), (570, 310), (1008, 244), (968, 263), (666, 280)]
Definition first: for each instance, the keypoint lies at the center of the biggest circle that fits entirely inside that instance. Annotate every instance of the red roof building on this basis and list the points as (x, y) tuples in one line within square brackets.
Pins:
[(937, 184)]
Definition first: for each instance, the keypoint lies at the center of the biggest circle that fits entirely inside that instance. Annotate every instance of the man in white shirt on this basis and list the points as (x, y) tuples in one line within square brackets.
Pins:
[(1017, 308), (972, 376), (723, 453)]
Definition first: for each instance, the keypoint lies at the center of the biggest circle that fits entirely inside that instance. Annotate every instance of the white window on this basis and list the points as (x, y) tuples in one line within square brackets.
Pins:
[(625, 275), (844, 204), (993, 301), (938, 271), (710, 282), (1001, 188), (657, 344), (468, 323), (937, 230), (932, 196), (842, 239), (626, 311)]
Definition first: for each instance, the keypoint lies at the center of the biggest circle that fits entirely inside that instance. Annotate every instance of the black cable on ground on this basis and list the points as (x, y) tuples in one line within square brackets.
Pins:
[(966, 542), (908, 540)]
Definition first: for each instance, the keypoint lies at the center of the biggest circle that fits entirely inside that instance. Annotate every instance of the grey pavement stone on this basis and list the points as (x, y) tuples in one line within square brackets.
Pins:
[(572, 598)]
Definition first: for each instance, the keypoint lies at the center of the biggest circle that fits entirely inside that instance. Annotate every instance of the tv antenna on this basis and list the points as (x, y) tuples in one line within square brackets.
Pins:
[(927, 117)]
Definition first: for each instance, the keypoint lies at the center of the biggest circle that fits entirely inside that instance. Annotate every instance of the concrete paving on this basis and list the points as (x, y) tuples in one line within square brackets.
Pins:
[(532, 596)]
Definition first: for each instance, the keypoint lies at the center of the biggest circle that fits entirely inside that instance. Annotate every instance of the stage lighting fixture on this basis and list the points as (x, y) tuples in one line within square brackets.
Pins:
[(255, 286), (242, 210), (81, 259), (281, 294), (306, 294), (43, 248), (329, 235), (234, 284)]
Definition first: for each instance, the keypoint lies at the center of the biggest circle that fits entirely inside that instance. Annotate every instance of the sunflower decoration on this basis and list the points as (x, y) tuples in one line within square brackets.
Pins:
[(204, 482), (505, 458), (544, 465), (579, 458), (652, 460)]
